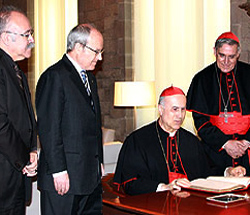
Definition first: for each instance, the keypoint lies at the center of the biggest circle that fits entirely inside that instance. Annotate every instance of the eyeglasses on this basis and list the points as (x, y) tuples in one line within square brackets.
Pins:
[(27, 34), (93, 50)]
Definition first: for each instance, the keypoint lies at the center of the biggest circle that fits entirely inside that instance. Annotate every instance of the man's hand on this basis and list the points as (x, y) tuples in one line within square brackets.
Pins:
[(238, 171), (61, 183), (236, 148), (176, 184), (244, 144), (31, 168), (182, 182), (175, 187)]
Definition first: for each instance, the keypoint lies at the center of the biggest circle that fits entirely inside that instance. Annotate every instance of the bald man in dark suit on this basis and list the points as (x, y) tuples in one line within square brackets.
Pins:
[(69, 126)]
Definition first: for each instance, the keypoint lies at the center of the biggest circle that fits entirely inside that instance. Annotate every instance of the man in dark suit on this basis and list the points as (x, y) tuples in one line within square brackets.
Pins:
[(69, 127), (18, 155)]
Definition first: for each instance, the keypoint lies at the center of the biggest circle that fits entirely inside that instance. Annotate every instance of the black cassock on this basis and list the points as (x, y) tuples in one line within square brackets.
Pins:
[(141, 165), (205, 101)]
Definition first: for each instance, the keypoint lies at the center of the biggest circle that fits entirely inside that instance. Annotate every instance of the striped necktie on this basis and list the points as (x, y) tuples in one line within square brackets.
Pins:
[(85, 81), (87, 87)]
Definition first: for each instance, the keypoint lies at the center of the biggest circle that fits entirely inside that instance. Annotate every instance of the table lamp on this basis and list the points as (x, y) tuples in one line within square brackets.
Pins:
[(134, 94)]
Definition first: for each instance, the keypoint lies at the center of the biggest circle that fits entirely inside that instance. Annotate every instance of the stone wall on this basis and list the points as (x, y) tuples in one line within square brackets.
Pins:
[(20, 3), (111, 17), (240, 25)]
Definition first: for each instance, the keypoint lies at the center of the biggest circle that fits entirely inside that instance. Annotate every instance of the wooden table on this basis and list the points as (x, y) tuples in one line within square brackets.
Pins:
[(183, 203)]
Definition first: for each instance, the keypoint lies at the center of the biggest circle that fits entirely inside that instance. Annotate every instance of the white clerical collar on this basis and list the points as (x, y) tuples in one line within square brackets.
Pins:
[(171, 134)]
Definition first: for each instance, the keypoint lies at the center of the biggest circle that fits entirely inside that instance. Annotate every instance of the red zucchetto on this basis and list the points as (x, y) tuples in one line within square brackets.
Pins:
[(170, 91), (229, 35)]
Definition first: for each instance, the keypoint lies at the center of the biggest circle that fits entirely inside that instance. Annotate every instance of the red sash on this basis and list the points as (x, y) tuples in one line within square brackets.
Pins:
[(174, 175), (237, 124)]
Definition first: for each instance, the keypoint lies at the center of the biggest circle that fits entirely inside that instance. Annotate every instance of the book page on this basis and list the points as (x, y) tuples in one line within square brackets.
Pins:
[(212, 185), (238, 180)]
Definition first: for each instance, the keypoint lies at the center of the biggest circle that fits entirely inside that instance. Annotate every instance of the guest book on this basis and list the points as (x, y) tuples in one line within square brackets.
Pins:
[(220, 184)]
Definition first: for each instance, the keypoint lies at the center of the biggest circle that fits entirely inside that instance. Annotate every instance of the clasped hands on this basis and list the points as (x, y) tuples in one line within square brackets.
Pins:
[(236, 148), (30, 169)]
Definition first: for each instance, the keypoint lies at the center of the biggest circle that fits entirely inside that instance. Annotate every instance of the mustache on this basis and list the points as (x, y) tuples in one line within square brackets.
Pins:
[(30, 45)]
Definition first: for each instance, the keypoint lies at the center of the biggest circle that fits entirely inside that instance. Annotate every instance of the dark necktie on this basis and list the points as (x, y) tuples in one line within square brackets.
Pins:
[(19, 76), (87, 87)]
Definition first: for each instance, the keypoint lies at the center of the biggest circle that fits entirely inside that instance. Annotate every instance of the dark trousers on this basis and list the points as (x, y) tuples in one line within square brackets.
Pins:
[(54, 204), (18, 206), (12, 189)]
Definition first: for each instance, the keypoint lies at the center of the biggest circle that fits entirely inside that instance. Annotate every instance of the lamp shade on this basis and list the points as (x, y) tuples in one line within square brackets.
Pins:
[(130, 93)]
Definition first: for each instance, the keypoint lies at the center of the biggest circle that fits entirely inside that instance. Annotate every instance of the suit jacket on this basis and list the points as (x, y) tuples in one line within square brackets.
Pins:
[(17, 129), (69, 129)]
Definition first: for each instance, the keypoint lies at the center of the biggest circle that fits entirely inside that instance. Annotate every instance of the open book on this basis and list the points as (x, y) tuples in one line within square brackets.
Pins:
[(220, 184)]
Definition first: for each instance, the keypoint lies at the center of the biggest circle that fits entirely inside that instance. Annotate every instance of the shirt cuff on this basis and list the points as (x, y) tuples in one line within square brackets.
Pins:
[(59, 173), (160, 187)]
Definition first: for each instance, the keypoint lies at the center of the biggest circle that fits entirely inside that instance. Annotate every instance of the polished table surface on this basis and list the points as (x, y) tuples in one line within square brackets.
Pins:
[(185, 202)]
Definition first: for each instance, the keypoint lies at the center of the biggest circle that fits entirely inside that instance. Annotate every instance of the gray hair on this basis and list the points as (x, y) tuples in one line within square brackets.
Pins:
[(219, 43), (161, 101), (5, 13), (78, 34)]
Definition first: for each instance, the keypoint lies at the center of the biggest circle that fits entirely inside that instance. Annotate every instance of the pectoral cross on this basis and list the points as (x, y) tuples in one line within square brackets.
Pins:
[(226, 115)]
